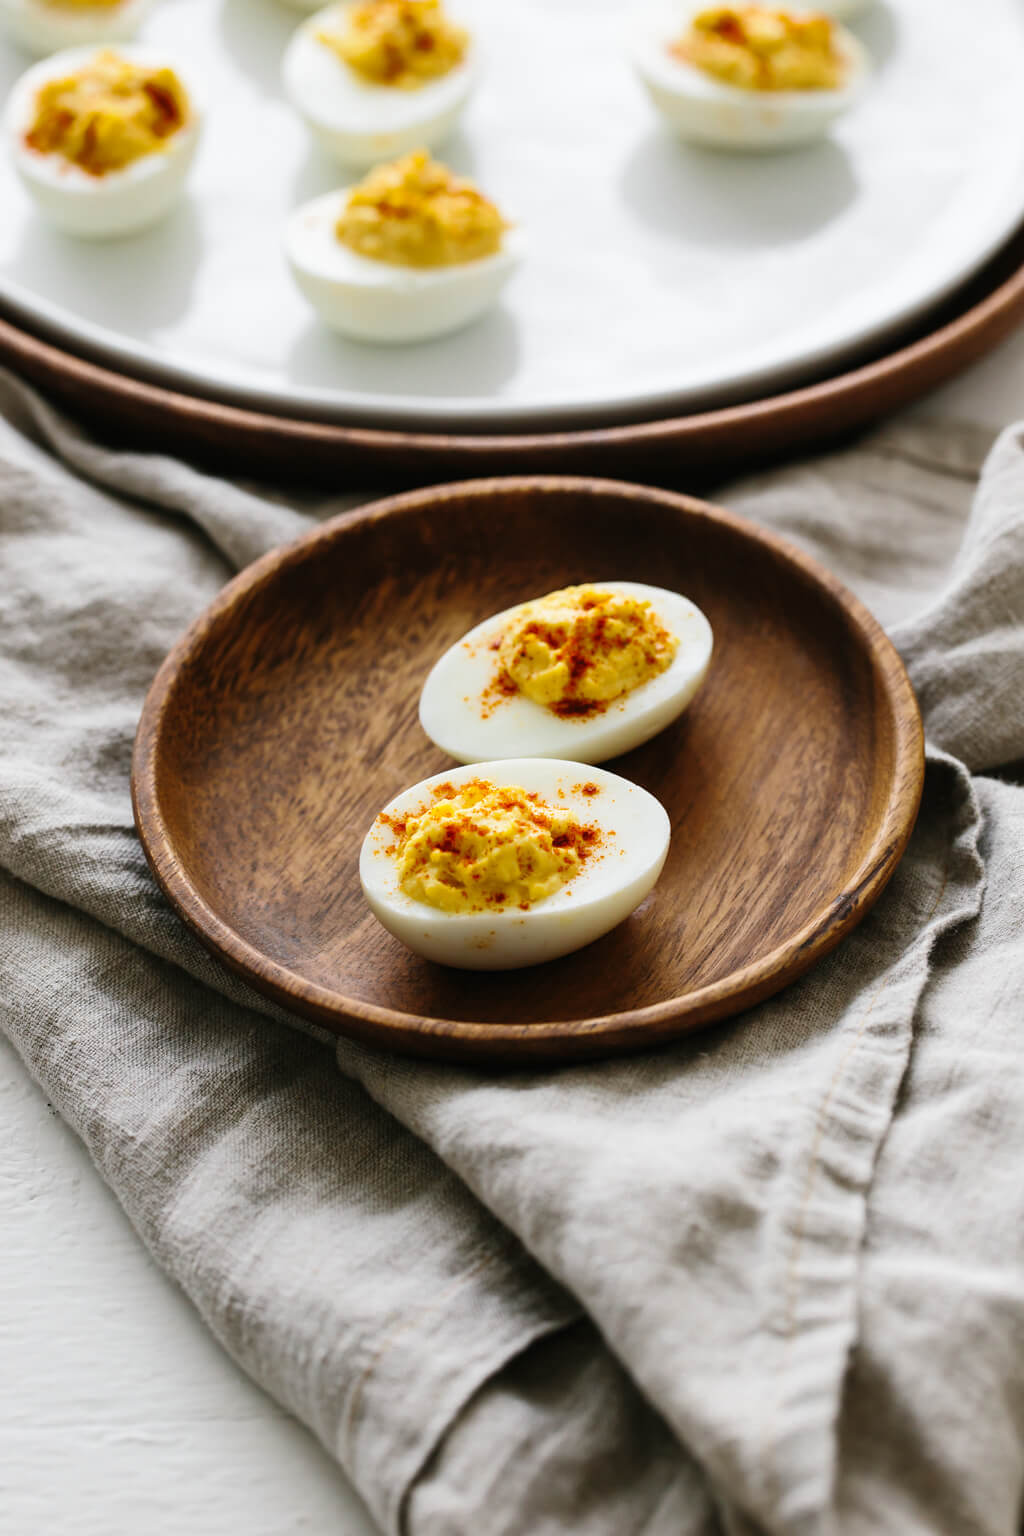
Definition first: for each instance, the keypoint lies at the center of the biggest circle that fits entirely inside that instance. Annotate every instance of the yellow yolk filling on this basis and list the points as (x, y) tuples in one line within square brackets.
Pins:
[(108, 114), (398, 42), (761, 49), (578, 649), (83, 5), (483, 847), (414, 213)]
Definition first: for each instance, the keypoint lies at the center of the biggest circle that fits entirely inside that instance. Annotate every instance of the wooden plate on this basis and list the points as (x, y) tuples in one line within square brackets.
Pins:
[(698, 448), (287, 716)]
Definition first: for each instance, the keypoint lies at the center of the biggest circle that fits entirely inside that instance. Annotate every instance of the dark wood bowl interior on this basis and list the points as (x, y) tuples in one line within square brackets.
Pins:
[(288, 716)]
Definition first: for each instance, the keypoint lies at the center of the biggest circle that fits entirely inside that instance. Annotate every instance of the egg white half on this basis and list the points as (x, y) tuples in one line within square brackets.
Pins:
[(42, 29), (704, 110), (360, 123), (455, 716), (119, 202), (613, 881), (378, 301)]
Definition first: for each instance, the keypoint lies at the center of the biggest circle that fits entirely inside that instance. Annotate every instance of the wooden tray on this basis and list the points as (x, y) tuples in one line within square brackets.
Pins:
[(699, 449), (286, 717)]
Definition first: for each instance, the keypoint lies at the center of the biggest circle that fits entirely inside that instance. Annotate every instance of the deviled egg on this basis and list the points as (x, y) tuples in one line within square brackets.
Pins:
[(513, 862), (44, 26), (584, 673), (102, 141), (375, 78), (409, 253), (749, 76)]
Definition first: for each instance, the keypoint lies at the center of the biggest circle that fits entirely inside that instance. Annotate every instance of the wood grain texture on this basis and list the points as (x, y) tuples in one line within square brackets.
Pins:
[(287, 716), (699, 447)]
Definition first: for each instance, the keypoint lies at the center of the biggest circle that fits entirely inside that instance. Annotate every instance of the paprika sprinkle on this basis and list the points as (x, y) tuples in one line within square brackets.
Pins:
[(486, 846), (578, 649)]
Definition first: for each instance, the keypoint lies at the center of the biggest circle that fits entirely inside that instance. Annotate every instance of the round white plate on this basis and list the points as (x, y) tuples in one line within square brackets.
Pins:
[(658, 278)]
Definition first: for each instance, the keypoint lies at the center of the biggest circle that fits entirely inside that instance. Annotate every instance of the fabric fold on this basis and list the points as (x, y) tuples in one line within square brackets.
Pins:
[(964, 653), (932, 1423), (335, 1258), (559, 1442)]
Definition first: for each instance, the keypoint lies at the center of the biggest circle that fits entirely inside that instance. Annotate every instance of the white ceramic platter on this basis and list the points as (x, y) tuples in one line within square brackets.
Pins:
[(658, 277)]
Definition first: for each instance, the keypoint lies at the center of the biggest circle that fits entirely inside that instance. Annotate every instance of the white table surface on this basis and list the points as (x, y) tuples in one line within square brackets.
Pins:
[(119, 1413)]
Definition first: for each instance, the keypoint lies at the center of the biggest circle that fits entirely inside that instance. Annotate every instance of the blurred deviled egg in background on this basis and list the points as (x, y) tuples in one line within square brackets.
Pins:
[(748, 76), (102, 141), (43, 26), (411, 252), (377, 78)]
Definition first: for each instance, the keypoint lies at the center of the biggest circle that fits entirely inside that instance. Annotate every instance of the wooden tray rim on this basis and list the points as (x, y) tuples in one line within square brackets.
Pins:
[(983, 323), (631, 1029)]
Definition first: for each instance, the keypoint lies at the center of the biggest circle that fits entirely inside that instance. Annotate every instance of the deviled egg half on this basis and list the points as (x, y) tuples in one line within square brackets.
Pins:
[(584, 673), (376, 78), (411, 252), (512, 863), (748, 76), (44, 26), (102, 141)]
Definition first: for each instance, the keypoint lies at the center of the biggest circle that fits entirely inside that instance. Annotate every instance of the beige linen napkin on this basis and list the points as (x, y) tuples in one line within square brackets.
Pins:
[(768, 1280)]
